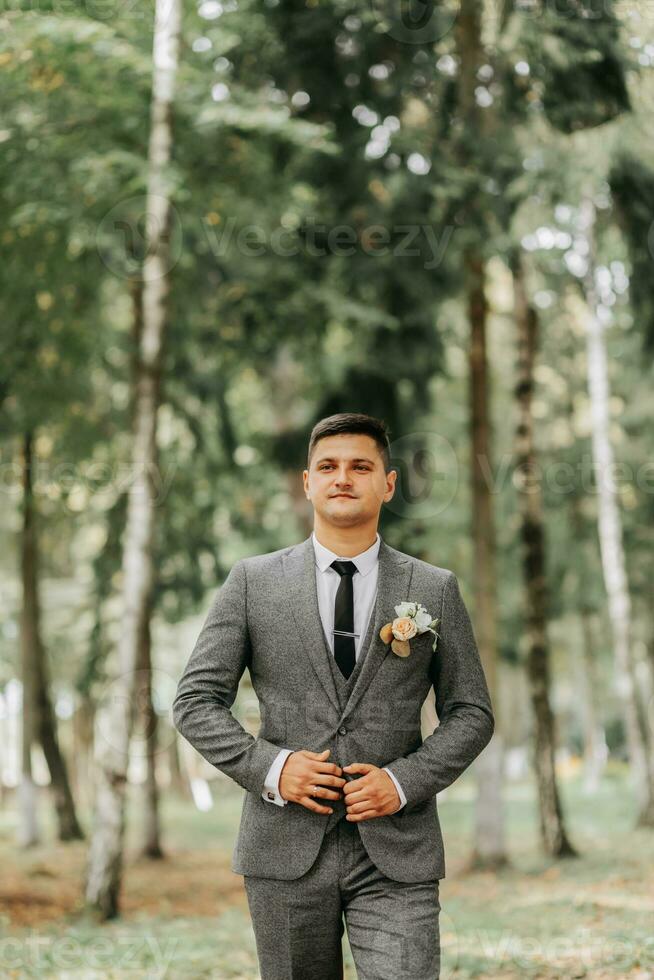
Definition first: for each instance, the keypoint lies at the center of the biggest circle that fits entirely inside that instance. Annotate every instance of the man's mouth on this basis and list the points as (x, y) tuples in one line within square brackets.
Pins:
[(342, 495)]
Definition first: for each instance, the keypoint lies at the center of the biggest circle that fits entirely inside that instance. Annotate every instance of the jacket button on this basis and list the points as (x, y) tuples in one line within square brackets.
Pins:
[(342, 730)]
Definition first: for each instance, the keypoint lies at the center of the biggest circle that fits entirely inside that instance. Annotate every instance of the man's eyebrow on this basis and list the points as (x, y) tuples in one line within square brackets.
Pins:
[(332, 459)]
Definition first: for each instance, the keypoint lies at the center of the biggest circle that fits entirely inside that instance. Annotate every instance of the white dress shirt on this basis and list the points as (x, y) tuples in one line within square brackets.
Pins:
[(364, 590)]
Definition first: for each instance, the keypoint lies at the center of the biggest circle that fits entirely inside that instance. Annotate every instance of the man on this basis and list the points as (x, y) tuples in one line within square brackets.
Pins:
[(340, 814)]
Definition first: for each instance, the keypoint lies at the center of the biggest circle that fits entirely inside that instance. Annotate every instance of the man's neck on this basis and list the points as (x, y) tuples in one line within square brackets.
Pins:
[(346, 542)]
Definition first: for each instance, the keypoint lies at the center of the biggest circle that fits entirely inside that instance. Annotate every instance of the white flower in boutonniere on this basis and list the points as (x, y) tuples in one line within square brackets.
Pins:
[(412, 620)]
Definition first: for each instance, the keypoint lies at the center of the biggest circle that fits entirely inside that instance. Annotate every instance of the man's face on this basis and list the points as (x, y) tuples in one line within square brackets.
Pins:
[(346, 482)]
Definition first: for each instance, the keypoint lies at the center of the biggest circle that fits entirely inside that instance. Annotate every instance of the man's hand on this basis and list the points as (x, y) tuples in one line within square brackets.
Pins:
[(306, 774), (371, 795)]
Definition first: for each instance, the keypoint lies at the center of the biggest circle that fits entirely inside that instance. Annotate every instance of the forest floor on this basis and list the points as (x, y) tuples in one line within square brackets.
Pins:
[(186, 916)]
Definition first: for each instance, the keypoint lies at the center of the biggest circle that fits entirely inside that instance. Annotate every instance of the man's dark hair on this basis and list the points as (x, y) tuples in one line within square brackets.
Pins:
[(357, 424)]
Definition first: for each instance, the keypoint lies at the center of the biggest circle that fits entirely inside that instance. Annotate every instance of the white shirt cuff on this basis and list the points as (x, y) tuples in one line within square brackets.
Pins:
[(398, 788), (271, 784)]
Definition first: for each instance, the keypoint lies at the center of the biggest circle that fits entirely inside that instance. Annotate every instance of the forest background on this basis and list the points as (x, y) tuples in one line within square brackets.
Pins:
[(222, 221)]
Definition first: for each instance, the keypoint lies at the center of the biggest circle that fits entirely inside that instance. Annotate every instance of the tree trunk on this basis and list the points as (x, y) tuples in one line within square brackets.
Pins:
[(149, 722), (611, 536), (489, 849), (117, 713), (179, 781), (28, 795), (650, 648), (595, 748), (553, 832), (286, 377), (3, 742), (69, 827), (44, 723), (145, 715), (82, 722), (595, 752)]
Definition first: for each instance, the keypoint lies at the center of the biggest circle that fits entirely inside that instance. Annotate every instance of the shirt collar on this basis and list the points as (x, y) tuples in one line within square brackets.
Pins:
[(365, 562)]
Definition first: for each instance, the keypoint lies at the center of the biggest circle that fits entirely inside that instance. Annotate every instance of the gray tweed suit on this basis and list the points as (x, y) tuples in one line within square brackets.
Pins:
[(265, 617)]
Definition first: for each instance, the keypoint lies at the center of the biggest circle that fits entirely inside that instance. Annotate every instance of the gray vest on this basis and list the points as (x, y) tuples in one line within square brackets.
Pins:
[(344, 689)]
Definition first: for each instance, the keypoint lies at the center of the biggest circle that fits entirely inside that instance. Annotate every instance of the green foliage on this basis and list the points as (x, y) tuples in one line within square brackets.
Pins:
[(577, 62), (632, 187), (327, 183)]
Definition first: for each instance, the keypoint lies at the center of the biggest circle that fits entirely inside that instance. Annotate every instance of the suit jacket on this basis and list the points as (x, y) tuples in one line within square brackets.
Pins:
[(265, 617)]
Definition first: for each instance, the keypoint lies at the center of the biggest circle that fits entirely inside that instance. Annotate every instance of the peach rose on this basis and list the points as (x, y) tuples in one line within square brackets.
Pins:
[(386, 633), (404, 627)]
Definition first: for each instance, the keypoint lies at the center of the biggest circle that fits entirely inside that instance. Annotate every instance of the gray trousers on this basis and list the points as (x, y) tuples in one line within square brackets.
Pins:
[(392, 926)]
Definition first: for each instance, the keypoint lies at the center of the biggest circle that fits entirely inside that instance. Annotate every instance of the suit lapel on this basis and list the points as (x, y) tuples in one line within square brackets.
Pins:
[(393, 584), (300, 575)]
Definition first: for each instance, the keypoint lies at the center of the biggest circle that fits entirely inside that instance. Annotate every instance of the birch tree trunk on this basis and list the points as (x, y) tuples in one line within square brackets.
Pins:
[(116, 719), (595, 751), (552, 825), (610, 532), (595, 748), (489, 848), (145, 714)]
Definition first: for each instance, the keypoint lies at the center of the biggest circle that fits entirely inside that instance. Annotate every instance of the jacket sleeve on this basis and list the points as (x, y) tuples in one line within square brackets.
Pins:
[(463, 703), (209, 684)]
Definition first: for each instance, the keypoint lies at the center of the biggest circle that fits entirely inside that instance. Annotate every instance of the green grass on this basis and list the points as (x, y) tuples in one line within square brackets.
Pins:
[(187, 916)]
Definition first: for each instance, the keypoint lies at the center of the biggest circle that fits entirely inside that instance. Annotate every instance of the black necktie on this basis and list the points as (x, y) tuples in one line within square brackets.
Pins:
[(344, 618)]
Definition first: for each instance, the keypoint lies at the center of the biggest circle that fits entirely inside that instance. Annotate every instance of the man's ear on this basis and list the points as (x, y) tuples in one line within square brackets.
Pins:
[(393, 487)]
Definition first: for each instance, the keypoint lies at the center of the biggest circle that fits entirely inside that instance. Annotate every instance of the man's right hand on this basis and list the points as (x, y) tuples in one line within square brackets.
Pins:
[(306, 774)]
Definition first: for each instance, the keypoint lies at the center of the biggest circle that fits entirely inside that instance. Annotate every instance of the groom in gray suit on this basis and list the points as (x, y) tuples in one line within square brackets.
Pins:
[(339, 817)]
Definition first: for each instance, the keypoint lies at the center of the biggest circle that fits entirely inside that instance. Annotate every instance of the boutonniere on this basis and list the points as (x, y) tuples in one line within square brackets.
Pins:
[(412, 620)]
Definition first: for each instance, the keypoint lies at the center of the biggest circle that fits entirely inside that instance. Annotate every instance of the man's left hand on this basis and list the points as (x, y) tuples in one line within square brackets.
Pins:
[(373, 794)]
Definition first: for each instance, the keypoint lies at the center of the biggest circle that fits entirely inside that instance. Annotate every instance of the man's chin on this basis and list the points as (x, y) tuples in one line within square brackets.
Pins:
[(343, 515)]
